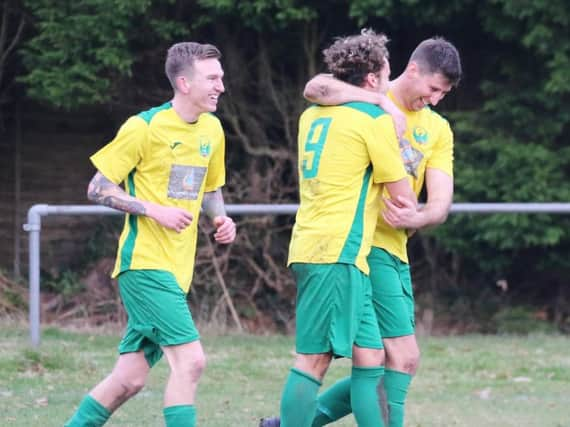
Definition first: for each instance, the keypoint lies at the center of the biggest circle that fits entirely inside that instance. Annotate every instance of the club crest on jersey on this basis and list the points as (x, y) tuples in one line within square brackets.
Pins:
[(205, 146), (420, 135)]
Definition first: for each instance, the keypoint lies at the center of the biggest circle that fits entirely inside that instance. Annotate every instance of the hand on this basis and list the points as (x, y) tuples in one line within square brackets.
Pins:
[(225, 229), (402, 213), (173, 218)]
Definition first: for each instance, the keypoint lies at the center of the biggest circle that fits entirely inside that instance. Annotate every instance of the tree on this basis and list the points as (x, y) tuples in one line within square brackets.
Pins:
[(510, 115), (11, 31), (82, 52)]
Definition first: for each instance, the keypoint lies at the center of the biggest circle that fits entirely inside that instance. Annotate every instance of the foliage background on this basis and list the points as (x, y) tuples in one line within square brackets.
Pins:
[(510, 115)]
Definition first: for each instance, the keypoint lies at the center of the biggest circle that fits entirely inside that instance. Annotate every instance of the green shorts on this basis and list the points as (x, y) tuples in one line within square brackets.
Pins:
[(392, 294), (158, 313), (334, 310)]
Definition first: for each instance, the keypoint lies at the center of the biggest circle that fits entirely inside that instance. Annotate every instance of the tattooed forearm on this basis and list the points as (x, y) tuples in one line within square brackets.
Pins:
[(133, 207), (213, 203), (323, 90), (107, 193)]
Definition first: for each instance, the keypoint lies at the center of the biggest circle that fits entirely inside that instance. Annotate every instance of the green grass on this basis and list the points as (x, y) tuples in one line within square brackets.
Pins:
[(463, 381)]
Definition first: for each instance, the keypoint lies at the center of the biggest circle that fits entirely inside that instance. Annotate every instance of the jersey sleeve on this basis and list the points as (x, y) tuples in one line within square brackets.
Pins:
[(442, 157), (119, 157), (216, 176), (384, 151)]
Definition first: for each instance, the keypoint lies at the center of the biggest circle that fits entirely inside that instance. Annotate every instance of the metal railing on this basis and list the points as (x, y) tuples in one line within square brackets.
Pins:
[(36, 212)]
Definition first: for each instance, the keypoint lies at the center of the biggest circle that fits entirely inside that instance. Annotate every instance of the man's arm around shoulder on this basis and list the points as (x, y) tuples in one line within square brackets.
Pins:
[(324, 89)]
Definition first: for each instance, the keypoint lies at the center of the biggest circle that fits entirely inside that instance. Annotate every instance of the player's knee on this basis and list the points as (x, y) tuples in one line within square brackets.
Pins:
[(132, 384), (368, 356), (409, 360), (405, 359), (198, 365), (191, 369), (314, 364), (136, 385), (412, 361)]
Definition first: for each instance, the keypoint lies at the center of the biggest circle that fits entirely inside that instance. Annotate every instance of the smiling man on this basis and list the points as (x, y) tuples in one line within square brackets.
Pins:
[(171, 160)]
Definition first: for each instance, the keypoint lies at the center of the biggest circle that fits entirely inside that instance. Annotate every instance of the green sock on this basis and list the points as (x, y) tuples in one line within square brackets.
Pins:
[(89, 414), (180, 416), (333, 404), (299, 399), (364, 397), (396, 386)]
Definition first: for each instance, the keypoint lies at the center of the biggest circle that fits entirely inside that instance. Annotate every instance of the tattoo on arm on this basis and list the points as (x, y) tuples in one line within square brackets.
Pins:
[(213, 203), (107, 193), (323, 90)]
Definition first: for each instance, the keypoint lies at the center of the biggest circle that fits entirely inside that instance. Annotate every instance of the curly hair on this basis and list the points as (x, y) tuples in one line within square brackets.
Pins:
[(351, 58)]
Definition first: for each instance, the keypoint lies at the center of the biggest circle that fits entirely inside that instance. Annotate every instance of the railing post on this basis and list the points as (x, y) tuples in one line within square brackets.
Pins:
[(33, 227)]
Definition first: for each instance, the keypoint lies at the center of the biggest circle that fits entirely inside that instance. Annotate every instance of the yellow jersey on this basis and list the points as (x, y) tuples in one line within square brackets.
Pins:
[(163, 159), (345, 153), (427, 143)]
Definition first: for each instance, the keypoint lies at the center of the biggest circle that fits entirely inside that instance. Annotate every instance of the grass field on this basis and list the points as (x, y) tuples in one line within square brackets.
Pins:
[(463, 381)]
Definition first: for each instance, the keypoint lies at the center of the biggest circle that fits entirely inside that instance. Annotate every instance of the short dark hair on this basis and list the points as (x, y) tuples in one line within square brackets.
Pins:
[(437, 55), (181, 56), (351, 58)]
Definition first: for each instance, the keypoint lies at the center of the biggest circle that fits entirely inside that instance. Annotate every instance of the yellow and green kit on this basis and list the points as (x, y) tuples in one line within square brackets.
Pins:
[(164, 160)]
